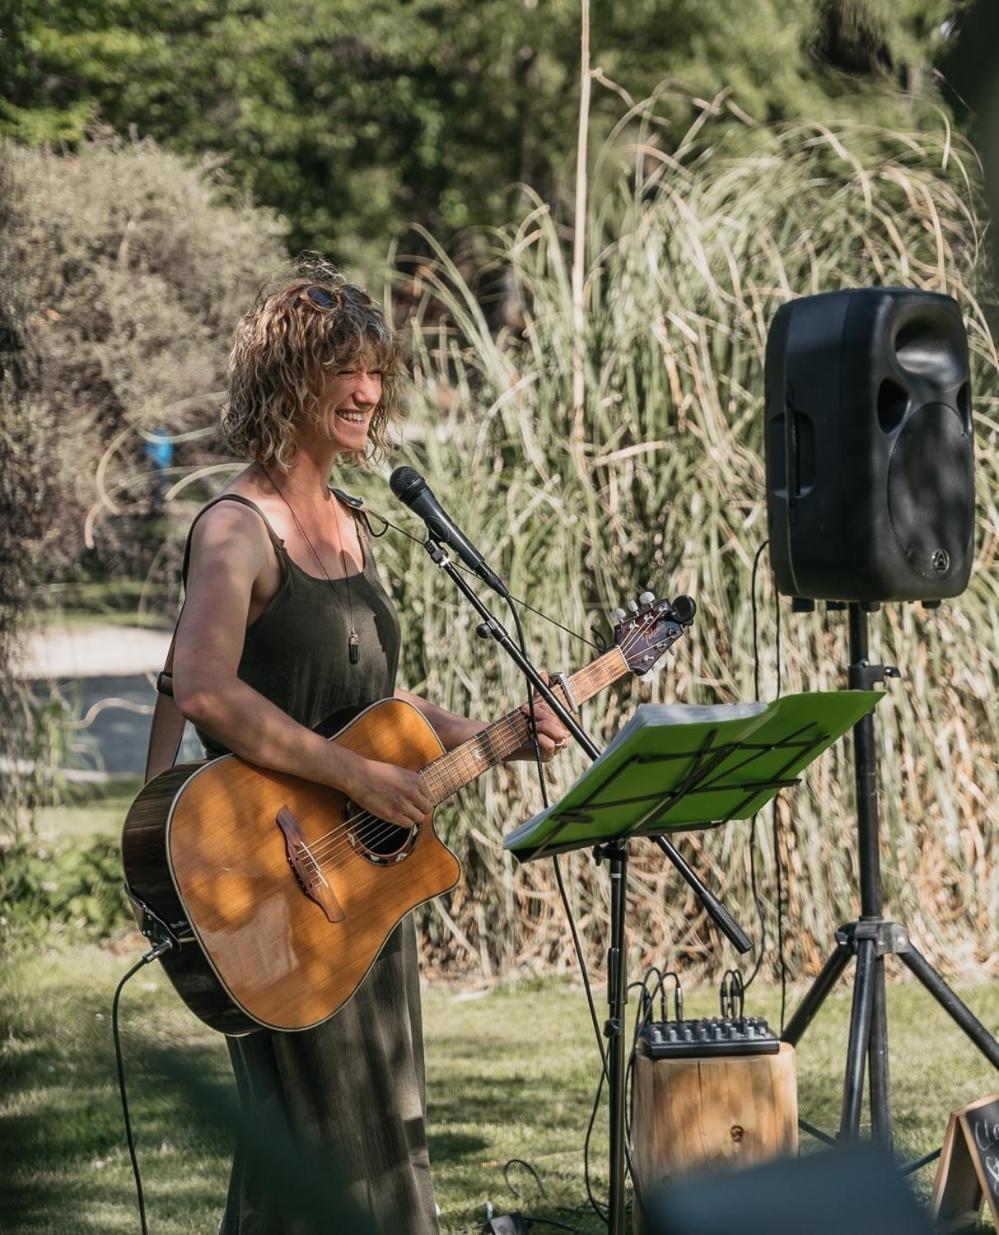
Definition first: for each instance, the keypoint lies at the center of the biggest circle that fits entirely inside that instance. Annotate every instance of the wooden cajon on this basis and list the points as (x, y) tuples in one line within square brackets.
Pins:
[(712, 1111)]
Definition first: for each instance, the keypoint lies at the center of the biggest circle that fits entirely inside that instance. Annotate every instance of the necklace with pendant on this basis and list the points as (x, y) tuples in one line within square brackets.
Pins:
[(353, 643)]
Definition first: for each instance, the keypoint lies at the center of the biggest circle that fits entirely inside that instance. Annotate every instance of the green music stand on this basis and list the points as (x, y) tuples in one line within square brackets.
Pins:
[(675, 768)]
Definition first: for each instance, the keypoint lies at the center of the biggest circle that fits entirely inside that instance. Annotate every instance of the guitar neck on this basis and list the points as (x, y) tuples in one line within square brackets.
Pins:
[(493, 744)]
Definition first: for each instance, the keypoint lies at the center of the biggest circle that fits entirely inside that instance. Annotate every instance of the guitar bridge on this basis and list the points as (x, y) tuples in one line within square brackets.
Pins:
[(306, 869)]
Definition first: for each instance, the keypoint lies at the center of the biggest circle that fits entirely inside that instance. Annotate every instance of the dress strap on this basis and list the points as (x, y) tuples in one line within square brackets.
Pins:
[(276, 540)]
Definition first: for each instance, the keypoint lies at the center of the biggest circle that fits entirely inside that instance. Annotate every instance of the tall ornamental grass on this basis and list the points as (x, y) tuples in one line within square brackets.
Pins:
[(658, 479)]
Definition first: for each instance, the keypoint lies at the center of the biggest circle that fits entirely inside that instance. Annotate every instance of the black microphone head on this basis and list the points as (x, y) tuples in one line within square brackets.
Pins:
[(406, 483)]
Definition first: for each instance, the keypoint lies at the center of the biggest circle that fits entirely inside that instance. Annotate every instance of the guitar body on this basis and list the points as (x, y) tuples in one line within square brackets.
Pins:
[(282, 890)]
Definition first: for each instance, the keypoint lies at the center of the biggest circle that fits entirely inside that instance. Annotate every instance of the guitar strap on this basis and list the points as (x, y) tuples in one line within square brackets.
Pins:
[(166, 729)]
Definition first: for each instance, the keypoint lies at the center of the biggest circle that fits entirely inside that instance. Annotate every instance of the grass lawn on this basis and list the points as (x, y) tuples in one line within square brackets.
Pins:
[(511, 1073)]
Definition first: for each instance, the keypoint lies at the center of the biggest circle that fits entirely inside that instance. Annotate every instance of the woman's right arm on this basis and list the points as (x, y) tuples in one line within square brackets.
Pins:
[(228, 552)]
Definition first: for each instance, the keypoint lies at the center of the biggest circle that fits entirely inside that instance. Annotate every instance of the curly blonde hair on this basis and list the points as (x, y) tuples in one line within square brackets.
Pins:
[(283, 346)]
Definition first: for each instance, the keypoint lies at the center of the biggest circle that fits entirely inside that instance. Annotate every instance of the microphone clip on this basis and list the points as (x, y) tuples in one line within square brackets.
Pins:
[(438, 554)]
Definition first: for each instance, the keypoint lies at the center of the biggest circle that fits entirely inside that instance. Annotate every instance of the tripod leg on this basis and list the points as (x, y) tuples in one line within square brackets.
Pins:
[(816, 994), (877, 1056), (860, 1036), (950, 1003)]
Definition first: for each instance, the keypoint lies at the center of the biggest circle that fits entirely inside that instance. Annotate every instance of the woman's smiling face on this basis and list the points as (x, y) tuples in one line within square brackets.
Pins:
[(346, 402)]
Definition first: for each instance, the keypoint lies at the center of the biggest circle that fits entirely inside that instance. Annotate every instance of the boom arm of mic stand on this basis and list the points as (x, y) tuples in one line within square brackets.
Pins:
[(495, 629)]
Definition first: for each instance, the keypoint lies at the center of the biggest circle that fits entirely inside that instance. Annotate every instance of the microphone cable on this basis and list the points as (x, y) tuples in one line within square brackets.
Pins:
[(576, 942), (598, 644)]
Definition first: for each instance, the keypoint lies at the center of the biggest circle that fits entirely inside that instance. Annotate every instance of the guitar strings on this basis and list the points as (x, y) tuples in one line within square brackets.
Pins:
[(332, 843), (338, 839), (467, 765), (328, 846), (437, 780)]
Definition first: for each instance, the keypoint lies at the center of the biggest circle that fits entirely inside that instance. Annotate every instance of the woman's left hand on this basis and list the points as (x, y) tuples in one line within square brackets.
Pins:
[(552, 734)]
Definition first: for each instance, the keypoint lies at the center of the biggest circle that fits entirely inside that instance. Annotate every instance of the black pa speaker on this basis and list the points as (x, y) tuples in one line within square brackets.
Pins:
[(869, 455)]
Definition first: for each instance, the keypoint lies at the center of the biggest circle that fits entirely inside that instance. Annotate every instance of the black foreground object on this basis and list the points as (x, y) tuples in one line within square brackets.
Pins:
[(869, 452), (854, 1190)]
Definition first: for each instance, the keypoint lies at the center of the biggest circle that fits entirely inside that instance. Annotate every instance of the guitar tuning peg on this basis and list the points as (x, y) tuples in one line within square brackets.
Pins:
[(618, 616), (647, 598), (633, 606)]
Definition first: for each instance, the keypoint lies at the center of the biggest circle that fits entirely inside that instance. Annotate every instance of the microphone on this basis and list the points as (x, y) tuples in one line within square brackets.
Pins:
[(411, 489)]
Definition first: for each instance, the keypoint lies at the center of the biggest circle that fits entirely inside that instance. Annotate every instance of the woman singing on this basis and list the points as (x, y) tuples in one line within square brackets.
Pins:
[(286, 622)]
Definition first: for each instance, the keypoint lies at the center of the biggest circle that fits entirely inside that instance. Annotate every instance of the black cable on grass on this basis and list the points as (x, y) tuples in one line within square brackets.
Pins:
[(753, 838), (774, 817), (150, 956)]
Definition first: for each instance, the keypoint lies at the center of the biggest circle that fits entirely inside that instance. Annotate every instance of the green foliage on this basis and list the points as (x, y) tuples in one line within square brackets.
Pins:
[(354, 118), (62, 889)]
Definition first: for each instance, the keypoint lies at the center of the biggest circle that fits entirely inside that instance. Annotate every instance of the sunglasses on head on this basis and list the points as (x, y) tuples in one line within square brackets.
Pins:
[(324, 299)]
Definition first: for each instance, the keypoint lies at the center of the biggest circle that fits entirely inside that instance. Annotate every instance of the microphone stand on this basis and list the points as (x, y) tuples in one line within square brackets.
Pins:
[(616, 854)]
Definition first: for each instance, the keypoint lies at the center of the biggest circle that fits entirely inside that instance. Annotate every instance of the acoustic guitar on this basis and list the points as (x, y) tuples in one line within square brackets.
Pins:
[(276, 894)]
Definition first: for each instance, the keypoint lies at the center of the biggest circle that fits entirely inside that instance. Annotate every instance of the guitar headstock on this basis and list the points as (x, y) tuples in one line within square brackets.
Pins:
[(652, 626)]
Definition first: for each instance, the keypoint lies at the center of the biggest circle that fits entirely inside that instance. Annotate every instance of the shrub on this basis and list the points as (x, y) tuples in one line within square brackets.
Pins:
[(123, 281), (120, 283), (73, 890)]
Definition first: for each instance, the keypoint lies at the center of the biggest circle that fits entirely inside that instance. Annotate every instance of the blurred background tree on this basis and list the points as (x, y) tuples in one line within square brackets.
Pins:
[(355, 118)]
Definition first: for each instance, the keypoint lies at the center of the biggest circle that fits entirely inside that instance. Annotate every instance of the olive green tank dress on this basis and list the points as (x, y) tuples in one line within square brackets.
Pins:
[(354, 1086)]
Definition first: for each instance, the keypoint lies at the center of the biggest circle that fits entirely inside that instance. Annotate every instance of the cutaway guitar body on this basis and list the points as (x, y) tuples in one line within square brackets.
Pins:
[(288, 890), (281, 892)]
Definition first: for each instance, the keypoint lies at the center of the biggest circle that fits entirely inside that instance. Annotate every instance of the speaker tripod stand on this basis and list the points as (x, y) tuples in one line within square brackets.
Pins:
[(871, 939)]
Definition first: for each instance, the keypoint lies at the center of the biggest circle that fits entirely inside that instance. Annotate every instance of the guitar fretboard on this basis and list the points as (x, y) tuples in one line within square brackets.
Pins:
[(495, 742)]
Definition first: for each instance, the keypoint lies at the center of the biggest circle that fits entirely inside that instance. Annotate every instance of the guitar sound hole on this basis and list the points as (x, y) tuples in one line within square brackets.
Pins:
[(376, 840)]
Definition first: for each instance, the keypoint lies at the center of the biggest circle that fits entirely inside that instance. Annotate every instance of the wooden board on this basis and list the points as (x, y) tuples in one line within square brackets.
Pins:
[(968, 1172), (691, 1113)]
